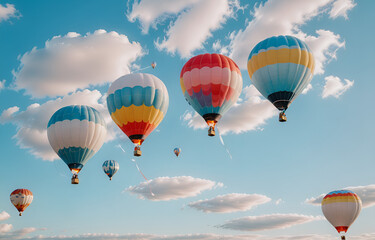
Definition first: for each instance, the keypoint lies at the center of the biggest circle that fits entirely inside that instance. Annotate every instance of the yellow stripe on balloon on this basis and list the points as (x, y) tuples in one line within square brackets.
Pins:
[(182, 85), (339, 199), (284, 55), (137, 114)]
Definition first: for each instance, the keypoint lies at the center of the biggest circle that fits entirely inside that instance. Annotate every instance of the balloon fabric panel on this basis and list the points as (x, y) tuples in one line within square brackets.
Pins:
[(211, 83)]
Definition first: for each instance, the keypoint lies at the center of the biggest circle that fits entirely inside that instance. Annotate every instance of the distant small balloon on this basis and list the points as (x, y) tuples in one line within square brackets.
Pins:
[(21, 199), (177, 151), (110, 167), (153, 65)]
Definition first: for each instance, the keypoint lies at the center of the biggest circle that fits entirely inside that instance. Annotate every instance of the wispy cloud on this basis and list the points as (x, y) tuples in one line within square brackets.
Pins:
[(4, 216), (71, 62), (171, 188), (191, 22), (8, 11), (335, 87), (228, 203), (268, 222), (340, 8), (2, 84), (194, 26)]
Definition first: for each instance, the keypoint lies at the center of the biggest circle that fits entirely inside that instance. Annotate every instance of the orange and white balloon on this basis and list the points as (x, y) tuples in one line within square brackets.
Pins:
[(341, 208), (21, 199)]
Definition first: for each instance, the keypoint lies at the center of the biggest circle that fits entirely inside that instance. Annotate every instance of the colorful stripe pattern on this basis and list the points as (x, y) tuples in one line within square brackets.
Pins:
[(177, 151), (76, 133), (341, 208), (110, 167), (280, 68), (21, 199), (211, 83), (137, 103)]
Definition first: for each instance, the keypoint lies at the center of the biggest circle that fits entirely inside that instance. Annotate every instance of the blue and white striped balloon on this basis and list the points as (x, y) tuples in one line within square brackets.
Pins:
[(76, 133), (110, 167)]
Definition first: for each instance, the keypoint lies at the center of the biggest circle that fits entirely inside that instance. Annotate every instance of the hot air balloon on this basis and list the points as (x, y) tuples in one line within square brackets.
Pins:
[(341, 208), (280, 68), (177, 151), (76, 133), (153, 65), (137, 103), (211, 84), (21, 199), (110, 167)]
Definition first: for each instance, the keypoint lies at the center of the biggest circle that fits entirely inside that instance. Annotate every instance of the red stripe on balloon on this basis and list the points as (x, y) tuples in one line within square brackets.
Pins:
[(342, 228), (341, 195), (22, 191), (137, 128)]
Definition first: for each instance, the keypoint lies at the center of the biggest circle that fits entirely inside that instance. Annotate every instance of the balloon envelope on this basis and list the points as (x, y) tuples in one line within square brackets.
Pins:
[(21, 199), (76, 133), (177, 151), (280, 68), (341, 208), (211, 83), (110, 167), (137, 103)]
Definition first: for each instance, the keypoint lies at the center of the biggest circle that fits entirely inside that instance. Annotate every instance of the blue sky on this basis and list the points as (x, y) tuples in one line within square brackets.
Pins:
[(57, 53)]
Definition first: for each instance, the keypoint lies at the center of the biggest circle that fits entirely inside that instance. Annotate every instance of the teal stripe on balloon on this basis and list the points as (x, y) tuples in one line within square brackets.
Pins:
[(75, 155), (277, 77), (203, 104), (80, 112), (138, 96)]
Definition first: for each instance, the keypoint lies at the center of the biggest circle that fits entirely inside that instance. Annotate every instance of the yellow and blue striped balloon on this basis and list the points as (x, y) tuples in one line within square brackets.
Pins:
[(137, 103), (280, 68)]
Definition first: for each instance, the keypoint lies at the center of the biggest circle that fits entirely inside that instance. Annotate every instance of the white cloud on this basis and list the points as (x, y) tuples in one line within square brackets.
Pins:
[(217, 47), (244, 116), (341, 8), (267, 222), (366, 193), (151, 12), (285, 17), (2, 84), (4, 216), (32, 122), (195, 25), (278, 201), (307, 89), (233, 202), (335, 87), (4, 228), (170, 188), (324, 47), (71, 62), (7, 12)]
